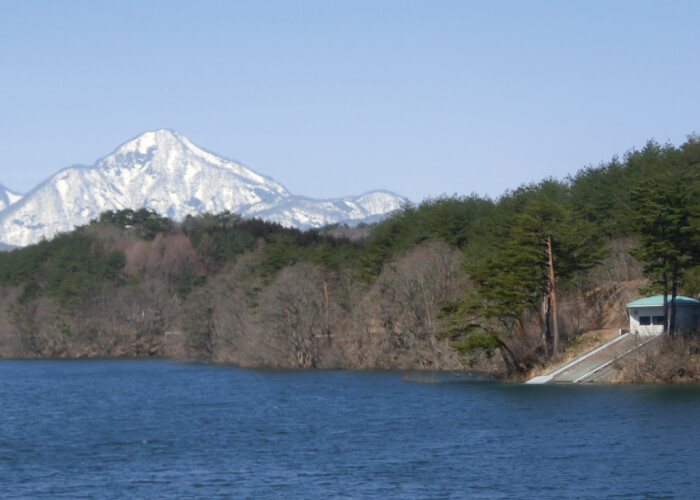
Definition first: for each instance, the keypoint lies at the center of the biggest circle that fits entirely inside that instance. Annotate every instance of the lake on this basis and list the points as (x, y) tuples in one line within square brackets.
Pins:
[(158, 429)]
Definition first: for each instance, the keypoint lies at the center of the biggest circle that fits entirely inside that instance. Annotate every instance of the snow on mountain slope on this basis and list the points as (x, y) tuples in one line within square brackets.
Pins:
[(7, 197), (306, 213), (164, 171)]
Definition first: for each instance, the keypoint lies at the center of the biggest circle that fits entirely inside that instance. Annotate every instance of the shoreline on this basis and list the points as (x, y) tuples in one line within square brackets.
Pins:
[(415, 375)]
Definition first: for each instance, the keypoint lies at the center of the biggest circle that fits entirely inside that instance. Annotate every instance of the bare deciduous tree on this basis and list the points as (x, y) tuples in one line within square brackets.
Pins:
[(408, 296), (292, 311)]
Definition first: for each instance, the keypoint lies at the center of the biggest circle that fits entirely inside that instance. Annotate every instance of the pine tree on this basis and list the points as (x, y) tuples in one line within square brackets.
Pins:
[(545, 243), (667, 222)]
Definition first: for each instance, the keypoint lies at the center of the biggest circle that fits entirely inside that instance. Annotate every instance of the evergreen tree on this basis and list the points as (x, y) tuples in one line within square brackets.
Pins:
[(545, 242), (667, 223)]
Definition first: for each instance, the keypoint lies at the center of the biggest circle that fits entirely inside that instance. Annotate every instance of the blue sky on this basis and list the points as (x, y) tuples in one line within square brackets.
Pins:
[(335, 98)]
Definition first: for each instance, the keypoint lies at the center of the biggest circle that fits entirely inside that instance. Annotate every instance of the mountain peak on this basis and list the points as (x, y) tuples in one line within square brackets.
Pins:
[(142, 144), (163, 171)]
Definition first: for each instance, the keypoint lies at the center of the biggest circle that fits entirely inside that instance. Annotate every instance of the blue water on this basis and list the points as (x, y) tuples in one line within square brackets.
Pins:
[(155, 429)]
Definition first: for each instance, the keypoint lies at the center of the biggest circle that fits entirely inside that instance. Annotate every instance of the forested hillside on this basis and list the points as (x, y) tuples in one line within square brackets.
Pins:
[(497, 284)]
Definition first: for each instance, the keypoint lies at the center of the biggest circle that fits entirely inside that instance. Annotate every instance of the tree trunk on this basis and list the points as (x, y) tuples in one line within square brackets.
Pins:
[(521, 327), (553, 294), (327, 326), (547, 334), (665, 303), (672, 323), (509, 358)]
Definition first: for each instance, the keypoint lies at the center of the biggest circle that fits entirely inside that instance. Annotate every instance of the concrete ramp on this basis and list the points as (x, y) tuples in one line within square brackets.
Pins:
[(596, 364)]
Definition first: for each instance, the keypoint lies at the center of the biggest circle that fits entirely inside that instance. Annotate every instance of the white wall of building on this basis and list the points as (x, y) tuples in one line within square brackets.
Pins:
[(649, 320)]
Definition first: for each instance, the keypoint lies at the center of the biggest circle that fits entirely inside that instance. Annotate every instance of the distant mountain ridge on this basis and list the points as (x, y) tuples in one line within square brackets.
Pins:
[(165, 172)]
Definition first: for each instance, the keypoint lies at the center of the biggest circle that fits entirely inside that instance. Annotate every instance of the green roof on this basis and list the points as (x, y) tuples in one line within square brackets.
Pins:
[(658, 300)]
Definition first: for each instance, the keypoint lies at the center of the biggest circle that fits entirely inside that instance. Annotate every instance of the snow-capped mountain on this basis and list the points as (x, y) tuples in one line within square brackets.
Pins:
[(307, 213), (8, 197), (164, 171)]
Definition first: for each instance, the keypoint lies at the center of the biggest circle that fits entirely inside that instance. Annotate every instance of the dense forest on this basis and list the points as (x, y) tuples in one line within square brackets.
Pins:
[(502, 285)]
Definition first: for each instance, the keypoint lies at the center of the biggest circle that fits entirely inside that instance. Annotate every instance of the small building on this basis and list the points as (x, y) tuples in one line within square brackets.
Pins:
[(647, 314)]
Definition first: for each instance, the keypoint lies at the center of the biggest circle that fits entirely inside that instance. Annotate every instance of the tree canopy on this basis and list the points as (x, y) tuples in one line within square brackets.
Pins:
[(520, 252)]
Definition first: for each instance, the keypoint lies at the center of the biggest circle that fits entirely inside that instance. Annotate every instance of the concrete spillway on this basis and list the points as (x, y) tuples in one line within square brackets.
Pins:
[(596, 364)]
